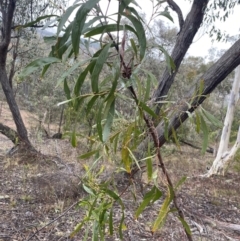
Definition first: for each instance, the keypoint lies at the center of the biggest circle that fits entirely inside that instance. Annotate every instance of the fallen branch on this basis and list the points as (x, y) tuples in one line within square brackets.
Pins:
[(9, 133), (209, 149)]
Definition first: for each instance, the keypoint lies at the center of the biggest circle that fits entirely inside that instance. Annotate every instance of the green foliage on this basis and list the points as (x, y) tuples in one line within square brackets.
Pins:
[(149, 198), (107, 95), (98, 67), (99, 210), (108, 92), (108, 28), (79, 21), (164, 210), (37, 64)]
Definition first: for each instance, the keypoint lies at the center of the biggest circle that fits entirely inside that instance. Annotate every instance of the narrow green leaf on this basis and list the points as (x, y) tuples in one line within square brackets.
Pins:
[(98, 67), (135, 3), (63, 42), (71, 70), (95, 231), (46, 67), (149, 164), (149, 168), (99, 123), (148, 197), (67, 90), (116, 143), (82, 77), (205, 134), (74, 139), (174, 135), (91, 103), (124, 4), (198, 122), (170, 64), (67, 54), (158, 194), (118, 199), (147, 90), (212, 118), (140, 34), (154, 81), (86, 233), (161, 218), (133, 157), (49, 39), (125, 151), (201, 88), (113, 195), (109, 122), (77, 228), (166, 122), (102, 216), (121, 226), (180, 182), (37, 64), (30, 24), (110, 223), (133, 10), (134, 47), (185, 225), (114, 83), (90, 191), (139, 84), (61, 47), (167, 15), (91, 22), (78, 102), (88, 154), (65, 17), (79, 22), (109, 28), (147, 109)]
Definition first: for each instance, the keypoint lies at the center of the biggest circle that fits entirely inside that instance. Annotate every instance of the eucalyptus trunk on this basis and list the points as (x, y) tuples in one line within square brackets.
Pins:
[(7, 9), (225, 156)]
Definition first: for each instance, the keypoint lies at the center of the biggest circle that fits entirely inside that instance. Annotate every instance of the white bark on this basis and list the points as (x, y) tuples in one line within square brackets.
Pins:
[(224, 157)]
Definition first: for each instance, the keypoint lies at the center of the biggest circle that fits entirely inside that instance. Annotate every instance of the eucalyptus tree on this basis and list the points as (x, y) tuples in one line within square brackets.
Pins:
[(224, 154), (17, 21), (126, 73)]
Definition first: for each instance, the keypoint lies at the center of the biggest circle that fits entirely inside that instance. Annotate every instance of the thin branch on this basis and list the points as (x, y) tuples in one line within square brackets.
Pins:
[(153, 133), (177, 9), (54, 220), (7, 15), (126, 73), (33, 26), (188, 143), (109, 1)]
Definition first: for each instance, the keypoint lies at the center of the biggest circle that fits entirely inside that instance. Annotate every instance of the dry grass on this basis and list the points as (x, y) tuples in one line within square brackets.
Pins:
[(36, 192)]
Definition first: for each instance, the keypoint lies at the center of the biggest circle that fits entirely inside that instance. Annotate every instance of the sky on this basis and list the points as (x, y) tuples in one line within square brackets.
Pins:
[(201, 43)]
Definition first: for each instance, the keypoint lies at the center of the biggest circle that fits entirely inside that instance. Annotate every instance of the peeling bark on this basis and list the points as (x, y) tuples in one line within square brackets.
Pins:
[(224, 157)]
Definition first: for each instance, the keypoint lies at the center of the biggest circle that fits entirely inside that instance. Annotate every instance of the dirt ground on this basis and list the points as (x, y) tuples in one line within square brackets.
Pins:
[(39, 201)]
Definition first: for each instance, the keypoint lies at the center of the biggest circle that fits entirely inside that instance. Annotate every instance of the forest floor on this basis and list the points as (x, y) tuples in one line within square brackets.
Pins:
[(39, 195)]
